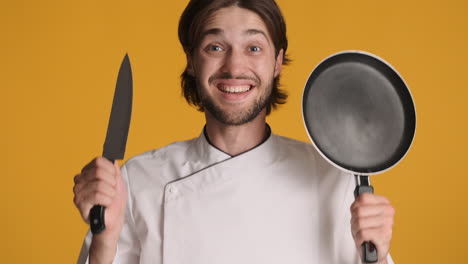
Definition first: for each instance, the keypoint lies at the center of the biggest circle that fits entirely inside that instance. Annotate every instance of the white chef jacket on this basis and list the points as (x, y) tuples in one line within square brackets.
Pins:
[(191, 203)]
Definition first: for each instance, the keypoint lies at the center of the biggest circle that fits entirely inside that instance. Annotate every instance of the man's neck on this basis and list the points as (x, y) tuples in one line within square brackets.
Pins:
[(235, 140)]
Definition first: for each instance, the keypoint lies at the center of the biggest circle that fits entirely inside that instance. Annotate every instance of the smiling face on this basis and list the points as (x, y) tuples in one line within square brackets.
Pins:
[(234, 65)]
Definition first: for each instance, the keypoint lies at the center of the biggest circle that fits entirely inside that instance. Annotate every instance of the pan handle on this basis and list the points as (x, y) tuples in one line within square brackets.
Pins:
[(369, 251)]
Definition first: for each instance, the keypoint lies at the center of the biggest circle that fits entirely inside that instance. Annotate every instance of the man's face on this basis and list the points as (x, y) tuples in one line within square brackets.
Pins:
[(235, 65)]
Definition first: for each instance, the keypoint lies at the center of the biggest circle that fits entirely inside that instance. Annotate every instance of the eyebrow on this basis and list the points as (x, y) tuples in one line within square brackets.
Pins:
[(255, 32), (218, 31), (212, 31)]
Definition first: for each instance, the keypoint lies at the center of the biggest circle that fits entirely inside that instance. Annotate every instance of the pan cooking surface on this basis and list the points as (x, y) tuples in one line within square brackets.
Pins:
[(355, 110)]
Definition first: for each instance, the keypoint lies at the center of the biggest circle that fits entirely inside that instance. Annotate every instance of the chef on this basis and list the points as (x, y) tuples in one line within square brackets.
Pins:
[(238, 193)]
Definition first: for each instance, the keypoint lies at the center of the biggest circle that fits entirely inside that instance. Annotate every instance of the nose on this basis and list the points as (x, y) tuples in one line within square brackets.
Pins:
[(235, 63)]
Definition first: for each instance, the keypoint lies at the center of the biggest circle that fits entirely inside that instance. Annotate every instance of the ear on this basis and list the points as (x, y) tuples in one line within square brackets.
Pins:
[(279, 63), (190, 69)]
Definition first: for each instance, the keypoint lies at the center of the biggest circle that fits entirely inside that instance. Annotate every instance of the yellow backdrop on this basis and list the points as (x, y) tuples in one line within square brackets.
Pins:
[(58, 71)]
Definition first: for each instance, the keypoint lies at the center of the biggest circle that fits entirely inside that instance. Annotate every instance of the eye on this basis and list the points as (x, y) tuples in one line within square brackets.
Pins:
[(255, 49), (214, 47)]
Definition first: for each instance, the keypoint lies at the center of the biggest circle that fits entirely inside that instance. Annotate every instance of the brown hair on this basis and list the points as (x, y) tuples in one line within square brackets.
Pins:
[(190, 27)]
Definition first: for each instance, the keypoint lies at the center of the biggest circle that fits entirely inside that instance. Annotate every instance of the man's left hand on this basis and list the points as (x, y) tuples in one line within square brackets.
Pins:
[(372, 220)]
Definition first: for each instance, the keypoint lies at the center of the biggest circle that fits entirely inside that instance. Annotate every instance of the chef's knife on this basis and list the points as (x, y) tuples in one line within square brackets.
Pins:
[(117, 132)]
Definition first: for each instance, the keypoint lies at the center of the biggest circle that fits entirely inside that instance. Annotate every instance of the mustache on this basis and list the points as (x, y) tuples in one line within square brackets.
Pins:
[(227, 75)]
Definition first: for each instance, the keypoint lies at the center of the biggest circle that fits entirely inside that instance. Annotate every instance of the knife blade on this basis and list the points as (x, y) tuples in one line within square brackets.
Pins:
[(117, 132)]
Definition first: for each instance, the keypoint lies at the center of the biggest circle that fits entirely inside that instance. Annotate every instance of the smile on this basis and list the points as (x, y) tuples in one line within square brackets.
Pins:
[(235, 89)]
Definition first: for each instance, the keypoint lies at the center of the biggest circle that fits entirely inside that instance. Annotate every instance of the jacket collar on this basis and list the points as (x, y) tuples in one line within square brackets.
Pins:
[(203, 151)]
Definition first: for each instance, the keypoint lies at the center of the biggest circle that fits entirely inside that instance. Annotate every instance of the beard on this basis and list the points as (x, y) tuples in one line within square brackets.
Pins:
[(238, 117)]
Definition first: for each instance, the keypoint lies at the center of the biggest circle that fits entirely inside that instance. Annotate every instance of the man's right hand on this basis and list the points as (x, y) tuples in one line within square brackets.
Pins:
[(100, 183)]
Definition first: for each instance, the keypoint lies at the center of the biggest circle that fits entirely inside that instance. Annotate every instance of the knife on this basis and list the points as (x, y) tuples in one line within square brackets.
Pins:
[(117, 132)]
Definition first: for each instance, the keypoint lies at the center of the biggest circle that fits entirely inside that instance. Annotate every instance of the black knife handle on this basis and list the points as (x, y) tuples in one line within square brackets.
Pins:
[(96, 217), (369, 251)]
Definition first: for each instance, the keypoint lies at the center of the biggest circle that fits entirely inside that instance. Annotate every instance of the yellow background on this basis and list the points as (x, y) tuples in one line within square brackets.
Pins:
[(59, 62)]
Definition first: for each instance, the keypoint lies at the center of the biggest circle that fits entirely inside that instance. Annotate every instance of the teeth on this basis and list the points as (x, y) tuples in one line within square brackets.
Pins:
[(235, 89)]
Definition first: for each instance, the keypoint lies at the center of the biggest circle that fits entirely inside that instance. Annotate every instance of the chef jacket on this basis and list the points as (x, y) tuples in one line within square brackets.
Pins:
[(191, 203)]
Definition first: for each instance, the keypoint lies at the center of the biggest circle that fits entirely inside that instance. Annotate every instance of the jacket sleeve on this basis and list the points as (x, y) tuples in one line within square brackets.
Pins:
[(128, 247)]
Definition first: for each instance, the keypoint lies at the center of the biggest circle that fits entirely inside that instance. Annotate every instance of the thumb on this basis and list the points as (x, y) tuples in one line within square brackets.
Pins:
[(120, 184), (118, 173)]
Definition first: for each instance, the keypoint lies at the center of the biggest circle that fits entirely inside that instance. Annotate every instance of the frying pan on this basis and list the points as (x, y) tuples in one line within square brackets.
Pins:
[(360, 116)]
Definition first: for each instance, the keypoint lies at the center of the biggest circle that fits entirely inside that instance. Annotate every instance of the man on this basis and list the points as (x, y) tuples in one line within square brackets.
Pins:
[(237, 193)]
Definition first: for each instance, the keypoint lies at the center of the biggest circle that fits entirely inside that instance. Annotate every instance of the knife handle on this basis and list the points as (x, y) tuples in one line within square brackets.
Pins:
[(369, 250), (96, 219), (96, 216)]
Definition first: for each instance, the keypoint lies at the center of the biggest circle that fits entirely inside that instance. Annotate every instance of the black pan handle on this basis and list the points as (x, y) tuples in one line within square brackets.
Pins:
[(96, 217), (369, 251)]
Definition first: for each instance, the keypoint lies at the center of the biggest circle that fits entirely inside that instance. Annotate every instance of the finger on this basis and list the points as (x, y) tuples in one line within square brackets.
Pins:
[(99, 187), (379, 236), (106, 175), (380, 221), (84, 180), (369, 199), (98, 199), (84, 210), (85, 201), (364, 223), (76, 178), (91, 200), (99, 162), (371, 210), (105, 163), (77, 186), (99, 173), (90, 165), (87, 194), (79, 181), (118, 173)]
